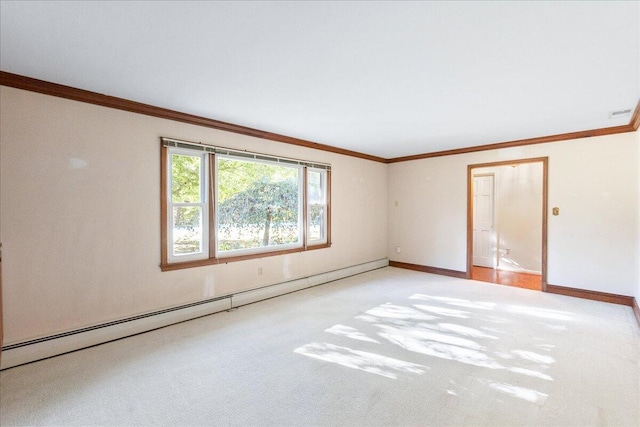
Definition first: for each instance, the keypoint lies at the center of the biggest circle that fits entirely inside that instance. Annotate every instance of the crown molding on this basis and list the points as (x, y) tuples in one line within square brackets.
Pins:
[(68, 92), (635, 119), (521, 142)]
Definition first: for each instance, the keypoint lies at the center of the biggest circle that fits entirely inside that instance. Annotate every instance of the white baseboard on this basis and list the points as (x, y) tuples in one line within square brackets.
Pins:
[(248, 297), (30, 351)]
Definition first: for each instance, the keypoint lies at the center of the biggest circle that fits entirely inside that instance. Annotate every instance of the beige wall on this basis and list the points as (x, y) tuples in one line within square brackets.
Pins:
[(592, 244), (80, 209), (80, 221), (637, 291)]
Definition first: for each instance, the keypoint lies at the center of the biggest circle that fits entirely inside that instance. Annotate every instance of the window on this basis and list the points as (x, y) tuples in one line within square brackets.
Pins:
[(316, 206), (220, 205), (187, 206), (259, 205)]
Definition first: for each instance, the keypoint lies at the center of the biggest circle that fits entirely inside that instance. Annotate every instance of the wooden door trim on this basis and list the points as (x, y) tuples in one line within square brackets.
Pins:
[(545, 204), (1, 323)]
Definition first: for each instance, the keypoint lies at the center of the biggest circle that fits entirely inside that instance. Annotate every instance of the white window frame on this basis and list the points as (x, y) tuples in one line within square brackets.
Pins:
[(203, 205), (261, 249), (209, 206), (324, 205)]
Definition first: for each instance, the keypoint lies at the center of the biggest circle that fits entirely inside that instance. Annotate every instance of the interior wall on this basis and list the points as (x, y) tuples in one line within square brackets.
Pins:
[(80, 209), (592, 244), (518, 216), (637, 160)]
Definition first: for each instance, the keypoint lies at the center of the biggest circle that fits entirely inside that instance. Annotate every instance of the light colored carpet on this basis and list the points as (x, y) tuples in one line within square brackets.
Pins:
[(388, 347)]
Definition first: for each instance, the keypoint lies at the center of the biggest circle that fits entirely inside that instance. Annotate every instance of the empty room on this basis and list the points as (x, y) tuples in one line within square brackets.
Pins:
[(318, 213)]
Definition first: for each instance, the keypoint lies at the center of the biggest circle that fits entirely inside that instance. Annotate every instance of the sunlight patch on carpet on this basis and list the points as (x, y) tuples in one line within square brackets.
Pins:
[(368, 362)]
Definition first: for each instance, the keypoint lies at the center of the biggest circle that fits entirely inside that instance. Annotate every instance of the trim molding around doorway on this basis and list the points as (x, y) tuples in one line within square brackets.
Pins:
[(545, 204)]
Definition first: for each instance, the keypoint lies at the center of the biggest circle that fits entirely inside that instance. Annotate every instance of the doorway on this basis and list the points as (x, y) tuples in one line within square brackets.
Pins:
[(507, 222)]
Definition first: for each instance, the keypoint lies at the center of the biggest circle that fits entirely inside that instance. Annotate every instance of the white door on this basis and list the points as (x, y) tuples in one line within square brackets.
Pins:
[(483, 221)]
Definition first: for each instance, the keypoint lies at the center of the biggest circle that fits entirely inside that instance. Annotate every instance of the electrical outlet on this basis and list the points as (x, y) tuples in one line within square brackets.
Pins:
[(259, 271), (397, 249)]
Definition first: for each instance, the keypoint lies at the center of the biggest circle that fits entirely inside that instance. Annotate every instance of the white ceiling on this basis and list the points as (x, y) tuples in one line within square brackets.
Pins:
[(384, 78)]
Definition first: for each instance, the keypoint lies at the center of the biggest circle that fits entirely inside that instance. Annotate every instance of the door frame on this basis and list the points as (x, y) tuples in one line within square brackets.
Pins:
[(545, 204)]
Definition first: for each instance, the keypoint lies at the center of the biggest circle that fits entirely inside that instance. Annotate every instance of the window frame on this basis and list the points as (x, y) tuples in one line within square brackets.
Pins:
[(261, 249), (203, 205), (210, 155), (324, 180)]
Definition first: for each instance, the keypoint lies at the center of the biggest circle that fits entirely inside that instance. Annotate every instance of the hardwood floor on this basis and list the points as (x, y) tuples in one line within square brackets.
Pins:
[(508, 278)]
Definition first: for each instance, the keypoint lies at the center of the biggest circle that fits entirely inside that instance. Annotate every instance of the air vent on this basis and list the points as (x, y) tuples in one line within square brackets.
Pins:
[(619, 113)]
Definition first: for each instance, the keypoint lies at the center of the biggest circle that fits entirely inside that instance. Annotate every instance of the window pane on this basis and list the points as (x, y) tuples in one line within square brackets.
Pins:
[(185, 178), (187, 230), (316, 207), (258, 204), (315, 190), (316, 222)]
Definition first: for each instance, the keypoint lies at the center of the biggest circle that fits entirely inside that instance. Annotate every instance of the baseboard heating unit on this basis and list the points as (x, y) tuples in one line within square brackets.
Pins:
[(53, 345)]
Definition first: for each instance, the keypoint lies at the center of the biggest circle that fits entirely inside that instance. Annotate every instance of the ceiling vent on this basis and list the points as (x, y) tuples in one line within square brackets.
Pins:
[(619, 113)]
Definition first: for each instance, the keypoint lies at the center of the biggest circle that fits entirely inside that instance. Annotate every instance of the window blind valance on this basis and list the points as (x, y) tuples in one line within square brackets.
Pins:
[(176, 143)]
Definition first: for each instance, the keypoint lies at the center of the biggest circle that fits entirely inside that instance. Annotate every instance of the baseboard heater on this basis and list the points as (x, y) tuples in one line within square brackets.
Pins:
[(54, 345)]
